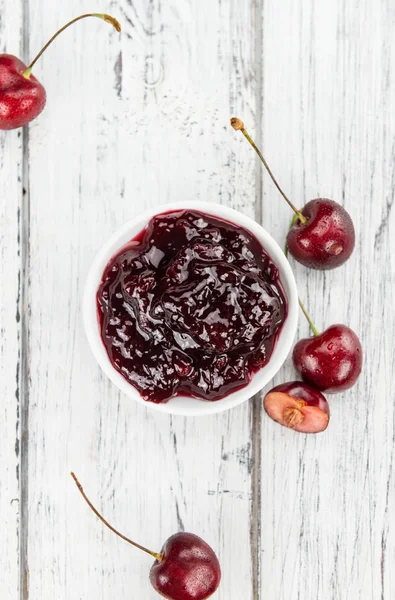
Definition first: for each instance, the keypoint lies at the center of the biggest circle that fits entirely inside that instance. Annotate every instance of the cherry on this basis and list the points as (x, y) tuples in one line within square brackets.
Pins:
[(185, 569), (298, 406), (22, 97), (322, 233), (326, 240), (331, 361), (189, 569)]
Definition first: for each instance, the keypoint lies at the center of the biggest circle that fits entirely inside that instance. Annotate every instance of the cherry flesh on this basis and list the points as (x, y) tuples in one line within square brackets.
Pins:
[(331, 361), (189, 569), (186, 568), (322, 233), (298, 406), (22, 97), (326, 240)]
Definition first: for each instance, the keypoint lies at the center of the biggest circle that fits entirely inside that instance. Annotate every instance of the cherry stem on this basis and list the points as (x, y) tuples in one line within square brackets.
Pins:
[(294, 219), (105, 17), (238, 125), (292, 417), (158, 557), (306, 314)]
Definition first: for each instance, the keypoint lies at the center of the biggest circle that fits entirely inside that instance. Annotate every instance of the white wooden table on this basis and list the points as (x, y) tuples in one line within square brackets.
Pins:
[(136, 120)]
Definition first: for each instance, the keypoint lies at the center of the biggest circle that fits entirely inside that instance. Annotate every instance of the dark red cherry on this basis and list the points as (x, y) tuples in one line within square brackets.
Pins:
[(322, 234), (298, 406), (189, 569), (326, 240), (22, 97), (185, 569), (331, 361)]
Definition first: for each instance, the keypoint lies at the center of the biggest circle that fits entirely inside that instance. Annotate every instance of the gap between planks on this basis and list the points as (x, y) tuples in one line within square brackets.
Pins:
[(24, 232), (24, 373), (257, 409)]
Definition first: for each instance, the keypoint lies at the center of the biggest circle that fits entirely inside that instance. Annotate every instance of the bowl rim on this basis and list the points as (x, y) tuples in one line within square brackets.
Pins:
[(183, 405)]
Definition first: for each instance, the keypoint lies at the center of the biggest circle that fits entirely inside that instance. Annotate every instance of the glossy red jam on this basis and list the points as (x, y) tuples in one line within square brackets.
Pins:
[(193, 305)]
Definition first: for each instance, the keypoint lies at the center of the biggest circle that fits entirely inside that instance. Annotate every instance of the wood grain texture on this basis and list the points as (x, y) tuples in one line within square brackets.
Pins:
[(131, 122), (10, 323), (329, 130), (135, 121)]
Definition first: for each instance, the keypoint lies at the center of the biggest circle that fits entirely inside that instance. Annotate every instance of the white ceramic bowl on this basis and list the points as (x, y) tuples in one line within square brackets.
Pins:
[(183, 405)]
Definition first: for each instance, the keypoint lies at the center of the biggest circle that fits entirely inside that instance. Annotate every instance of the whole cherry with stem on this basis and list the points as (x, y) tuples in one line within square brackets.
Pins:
[(22, 96), (186, 568), (298, 406), (321, 235), (330, 361)]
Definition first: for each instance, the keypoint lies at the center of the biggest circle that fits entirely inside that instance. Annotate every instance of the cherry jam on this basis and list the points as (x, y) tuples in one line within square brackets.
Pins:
[(193, 305)]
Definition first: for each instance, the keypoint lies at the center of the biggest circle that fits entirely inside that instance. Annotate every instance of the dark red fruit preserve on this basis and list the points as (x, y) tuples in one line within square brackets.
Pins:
[(193, 305)]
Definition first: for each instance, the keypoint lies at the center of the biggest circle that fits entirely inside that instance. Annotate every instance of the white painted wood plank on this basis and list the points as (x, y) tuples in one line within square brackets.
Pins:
[(131, 122), (10, 192), (328, 123), (10, 318)]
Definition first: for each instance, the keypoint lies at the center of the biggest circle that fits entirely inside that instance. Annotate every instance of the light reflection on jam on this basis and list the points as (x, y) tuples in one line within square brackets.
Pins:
[(193, 305)]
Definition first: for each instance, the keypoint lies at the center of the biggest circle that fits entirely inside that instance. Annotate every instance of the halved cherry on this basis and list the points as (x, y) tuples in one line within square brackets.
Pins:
[(298, 406)]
